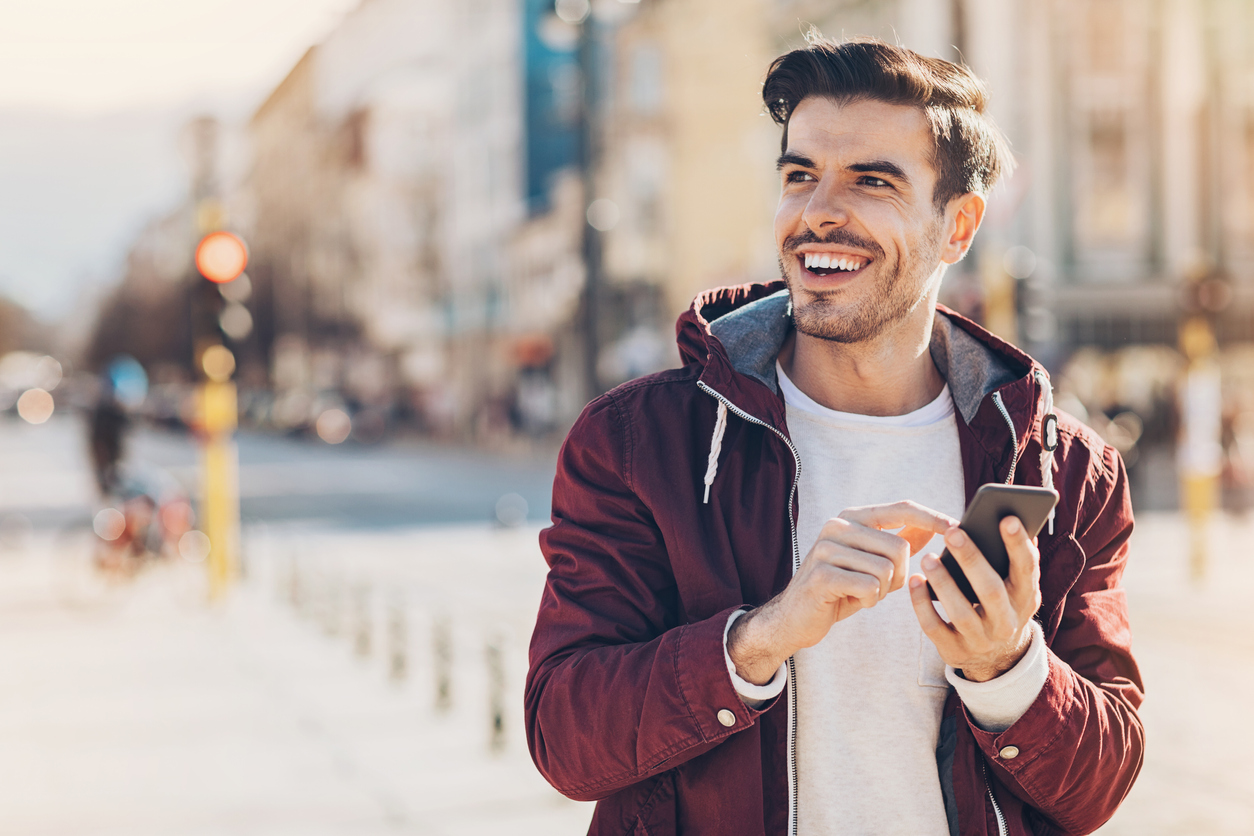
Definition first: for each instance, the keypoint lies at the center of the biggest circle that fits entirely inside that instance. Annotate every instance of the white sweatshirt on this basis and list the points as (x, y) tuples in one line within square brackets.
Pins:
[(870, 695)]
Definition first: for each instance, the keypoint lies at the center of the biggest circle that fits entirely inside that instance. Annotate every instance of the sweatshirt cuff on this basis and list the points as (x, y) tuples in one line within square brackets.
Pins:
[(997, 704), (754, 696)]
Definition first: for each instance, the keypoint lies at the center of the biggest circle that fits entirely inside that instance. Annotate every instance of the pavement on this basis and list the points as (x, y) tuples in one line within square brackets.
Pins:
[(135, 707)]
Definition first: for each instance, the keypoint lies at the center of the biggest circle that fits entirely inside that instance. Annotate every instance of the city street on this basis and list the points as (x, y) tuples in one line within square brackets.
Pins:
[(366, 676)]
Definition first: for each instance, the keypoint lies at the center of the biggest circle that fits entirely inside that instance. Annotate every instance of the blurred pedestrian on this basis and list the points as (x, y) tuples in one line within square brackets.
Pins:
[(697, 571), (106, 426)]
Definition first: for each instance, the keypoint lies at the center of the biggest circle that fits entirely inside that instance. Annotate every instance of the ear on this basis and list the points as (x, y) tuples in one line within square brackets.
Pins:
[(965, 214)]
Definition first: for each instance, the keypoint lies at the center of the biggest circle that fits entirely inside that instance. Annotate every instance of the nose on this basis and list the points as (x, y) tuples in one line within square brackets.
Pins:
[(826, 209)]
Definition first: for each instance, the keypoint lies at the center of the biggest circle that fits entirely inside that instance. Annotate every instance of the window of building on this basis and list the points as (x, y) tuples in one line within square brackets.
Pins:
[(1109, 216), (645, 78)]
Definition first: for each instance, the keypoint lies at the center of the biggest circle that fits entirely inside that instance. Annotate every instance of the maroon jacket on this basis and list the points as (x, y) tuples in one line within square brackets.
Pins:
[(627, 669)]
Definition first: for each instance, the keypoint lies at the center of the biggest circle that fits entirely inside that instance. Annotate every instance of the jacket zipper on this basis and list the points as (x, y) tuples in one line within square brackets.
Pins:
[(1010, 477), (1001, 820), (796, 565), (1014, 436)]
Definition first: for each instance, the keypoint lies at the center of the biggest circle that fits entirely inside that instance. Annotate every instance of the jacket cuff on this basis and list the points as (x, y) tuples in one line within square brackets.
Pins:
[(704, 683), (754, 696), (1035, 733), (995, 705)]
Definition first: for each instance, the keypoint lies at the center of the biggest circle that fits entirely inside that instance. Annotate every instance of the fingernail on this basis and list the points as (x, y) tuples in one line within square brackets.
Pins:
[(916, 582), (929, 562), (955, 537), (1012, 525)]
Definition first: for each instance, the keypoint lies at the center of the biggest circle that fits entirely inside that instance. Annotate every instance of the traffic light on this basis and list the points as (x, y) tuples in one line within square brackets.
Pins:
[(219, 315), (219, 311)]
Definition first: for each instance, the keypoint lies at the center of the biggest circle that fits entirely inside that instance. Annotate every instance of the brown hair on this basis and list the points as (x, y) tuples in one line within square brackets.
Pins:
[(970, 152)]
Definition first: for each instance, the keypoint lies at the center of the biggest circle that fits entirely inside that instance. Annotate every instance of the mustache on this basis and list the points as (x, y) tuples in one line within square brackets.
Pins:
[(840, 236)]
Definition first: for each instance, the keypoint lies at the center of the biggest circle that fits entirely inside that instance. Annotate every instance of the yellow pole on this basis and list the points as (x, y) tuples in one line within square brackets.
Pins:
[(219, 507), (1201, 452)]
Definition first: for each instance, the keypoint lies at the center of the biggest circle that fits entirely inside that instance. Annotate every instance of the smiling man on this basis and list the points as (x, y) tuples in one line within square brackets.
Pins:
[(736, 635)]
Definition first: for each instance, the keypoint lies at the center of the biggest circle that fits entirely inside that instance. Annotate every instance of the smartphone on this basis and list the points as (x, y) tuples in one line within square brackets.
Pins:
[(982, 523)]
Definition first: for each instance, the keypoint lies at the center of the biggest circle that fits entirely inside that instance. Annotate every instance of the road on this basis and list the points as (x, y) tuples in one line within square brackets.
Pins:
[(44, 477), (309, 703)]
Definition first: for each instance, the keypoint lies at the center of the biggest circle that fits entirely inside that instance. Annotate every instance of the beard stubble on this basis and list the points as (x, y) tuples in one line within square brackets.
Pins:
[(895, 292)]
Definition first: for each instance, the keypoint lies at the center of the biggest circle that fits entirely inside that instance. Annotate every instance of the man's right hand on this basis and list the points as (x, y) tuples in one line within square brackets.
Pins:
[(852, 566)]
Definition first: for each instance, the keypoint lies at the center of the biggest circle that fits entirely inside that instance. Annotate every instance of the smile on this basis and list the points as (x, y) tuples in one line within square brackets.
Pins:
[(830, 264)]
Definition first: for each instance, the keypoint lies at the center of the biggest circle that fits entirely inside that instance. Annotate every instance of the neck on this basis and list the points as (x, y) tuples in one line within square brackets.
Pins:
[(892, 374)]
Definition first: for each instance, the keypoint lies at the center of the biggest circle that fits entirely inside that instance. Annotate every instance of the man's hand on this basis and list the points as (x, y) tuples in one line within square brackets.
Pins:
[(853, 566), (987, 641)]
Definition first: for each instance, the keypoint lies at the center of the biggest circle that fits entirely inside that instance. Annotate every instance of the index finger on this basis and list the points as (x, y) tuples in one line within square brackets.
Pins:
[(898, 514)]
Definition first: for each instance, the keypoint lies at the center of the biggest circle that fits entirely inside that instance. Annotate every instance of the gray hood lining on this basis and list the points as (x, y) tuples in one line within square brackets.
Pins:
[(753, 335)]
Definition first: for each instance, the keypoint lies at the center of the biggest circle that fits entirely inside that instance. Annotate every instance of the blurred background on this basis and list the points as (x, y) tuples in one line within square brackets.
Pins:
[(268, 555)]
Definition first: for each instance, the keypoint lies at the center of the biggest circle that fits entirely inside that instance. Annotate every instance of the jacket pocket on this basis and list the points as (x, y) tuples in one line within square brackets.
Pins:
[(657, 815)]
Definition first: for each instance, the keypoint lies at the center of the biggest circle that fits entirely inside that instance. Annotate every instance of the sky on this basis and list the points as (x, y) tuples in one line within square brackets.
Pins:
[(93, 94)]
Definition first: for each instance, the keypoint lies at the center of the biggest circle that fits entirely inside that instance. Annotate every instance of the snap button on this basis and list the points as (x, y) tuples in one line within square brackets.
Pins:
[(1009, 752), (727, 718)]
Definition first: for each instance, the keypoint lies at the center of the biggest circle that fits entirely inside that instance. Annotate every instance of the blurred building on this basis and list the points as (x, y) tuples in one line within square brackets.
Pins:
[(475, 215), (385, 192)]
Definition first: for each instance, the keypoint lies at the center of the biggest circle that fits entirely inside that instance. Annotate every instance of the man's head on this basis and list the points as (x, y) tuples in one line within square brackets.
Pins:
[(887, 157)]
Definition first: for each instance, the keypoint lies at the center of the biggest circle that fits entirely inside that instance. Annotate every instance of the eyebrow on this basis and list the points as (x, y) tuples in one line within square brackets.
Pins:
[(881, 167), (793, 158), (870, 167)]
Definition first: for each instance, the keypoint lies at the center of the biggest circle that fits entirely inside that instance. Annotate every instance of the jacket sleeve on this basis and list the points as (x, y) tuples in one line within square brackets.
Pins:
[(1080, 744), (618, 689)]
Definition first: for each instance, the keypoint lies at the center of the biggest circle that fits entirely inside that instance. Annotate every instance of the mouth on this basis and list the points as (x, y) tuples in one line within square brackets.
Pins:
[(825, 264)]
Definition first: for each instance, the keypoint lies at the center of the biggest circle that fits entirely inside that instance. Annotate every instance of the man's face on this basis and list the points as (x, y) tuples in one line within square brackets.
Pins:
[(860, 241)]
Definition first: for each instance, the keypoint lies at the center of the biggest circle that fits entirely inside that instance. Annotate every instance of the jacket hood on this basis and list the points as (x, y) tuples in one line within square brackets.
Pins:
[(735, 335)]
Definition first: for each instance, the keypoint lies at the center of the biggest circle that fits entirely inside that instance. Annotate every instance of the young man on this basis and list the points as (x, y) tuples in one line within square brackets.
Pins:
[(723, 533)]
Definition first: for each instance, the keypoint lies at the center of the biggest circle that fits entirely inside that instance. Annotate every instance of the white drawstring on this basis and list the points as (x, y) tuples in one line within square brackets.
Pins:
[(1049, 439), (716, 447)]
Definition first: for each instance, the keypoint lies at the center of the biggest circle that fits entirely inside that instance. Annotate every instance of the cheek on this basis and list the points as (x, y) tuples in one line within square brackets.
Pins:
[(788, 216)]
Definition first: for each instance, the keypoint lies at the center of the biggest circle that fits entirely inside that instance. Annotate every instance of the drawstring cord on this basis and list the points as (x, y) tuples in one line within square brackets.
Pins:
[(1049, 438), (716, 447)]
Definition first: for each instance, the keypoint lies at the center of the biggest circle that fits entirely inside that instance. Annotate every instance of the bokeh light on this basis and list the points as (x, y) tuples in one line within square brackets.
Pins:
[(35, 406), (218, 363), (334, 425), (194, 546), (221, 256), (109, 524)]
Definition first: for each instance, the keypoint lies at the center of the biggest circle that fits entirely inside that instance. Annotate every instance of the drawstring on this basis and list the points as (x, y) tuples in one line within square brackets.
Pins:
[(1049, 438), (716, 447)]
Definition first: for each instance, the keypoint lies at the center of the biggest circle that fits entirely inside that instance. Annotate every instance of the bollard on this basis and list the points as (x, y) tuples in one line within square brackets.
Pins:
[(296, 588), (398, 638), (496, 695), (361, 619), (333, 593), (442, 653)]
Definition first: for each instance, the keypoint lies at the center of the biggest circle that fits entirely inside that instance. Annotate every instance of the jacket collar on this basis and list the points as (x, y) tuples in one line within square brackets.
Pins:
[(736, 333)]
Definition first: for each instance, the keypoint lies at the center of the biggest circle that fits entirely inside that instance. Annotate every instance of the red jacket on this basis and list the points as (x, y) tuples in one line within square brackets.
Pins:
[(627, 671)]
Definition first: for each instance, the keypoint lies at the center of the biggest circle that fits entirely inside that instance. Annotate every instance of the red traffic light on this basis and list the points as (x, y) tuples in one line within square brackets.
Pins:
[(221, 257)]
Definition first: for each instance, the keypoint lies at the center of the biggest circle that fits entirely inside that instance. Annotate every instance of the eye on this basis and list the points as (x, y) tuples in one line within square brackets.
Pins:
[(799, 177), (876, 182)]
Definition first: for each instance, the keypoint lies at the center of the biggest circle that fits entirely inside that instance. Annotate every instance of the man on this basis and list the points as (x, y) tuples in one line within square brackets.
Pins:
[(723, 533)]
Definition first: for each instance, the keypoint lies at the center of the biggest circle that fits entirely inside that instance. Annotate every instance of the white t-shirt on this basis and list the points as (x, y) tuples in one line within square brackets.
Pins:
[(871, 694)]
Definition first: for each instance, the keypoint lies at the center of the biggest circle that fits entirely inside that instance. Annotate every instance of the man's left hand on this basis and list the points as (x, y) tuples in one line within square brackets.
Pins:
[(986, 641)]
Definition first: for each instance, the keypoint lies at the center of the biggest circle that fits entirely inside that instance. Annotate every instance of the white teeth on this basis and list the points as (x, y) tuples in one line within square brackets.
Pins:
[(819, 261)]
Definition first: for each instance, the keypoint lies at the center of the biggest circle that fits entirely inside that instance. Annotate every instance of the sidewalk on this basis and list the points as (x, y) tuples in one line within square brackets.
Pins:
[(136, 709)]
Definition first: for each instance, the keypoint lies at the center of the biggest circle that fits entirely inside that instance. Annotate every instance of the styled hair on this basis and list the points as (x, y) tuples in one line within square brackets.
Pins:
[(970, 152)]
